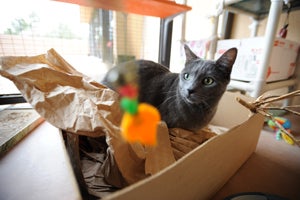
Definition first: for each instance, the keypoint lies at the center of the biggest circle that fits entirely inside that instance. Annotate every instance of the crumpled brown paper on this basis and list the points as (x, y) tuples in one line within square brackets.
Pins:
[(183, 141), (73, 102)]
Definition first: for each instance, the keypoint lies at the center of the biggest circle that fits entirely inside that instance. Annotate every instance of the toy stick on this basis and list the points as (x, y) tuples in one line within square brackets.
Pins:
[(260, 106)]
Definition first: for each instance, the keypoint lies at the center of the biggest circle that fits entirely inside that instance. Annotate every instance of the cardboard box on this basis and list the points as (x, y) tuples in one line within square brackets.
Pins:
[(282, 62), (197, 175), (202, 172)]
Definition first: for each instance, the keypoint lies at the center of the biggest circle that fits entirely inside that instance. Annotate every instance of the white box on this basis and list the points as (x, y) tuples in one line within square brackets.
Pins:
[(250, 52)]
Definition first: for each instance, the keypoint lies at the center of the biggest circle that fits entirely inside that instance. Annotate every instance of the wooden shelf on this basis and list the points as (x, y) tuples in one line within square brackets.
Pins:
[(155, 8), (258, 8)]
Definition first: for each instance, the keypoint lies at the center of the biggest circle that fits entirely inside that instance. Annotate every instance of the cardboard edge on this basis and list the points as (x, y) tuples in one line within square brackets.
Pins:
[(200, 180)]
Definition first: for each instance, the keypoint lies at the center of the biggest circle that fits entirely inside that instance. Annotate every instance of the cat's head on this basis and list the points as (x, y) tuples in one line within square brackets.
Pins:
[(203, 81)]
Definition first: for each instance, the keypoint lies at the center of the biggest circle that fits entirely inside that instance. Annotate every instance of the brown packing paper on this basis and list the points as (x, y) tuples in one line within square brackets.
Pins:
[(184, 141), (63, 96), (73, 102), (162, 154)]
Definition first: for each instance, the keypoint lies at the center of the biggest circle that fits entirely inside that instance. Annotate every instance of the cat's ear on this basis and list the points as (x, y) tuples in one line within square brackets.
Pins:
[(189, 54), (228, 58)]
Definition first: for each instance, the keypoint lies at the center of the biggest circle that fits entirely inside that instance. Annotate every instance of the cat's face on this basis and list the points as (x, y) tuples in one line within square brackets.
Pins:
[(203, 80)]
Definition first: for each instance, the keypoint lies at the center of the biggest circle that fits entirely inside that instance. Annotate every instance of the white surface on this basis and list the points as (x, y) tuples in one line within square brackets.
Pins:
[(38, 168), (91, 66)]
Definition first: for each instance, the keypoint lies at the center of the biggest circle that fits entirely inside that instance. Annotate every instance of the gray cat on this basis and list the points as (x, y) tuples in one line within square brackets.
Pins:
[(186, 100)]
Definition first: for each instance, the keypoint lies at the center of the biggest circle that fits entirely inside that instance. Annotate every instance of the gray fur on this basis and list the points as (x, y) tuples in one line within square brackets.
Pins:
[(184, 103)]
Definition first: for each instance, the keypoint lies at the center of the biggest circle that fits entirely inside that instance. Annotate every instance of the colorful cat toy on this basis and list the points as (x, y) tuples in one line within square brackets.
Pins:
[(286, 124), (140, 120)]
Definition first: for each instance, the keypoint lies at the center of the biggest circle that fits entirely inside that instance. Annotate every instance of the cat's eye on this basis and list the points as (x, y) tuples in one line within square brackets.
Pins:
[(186, 76), (208, 81)]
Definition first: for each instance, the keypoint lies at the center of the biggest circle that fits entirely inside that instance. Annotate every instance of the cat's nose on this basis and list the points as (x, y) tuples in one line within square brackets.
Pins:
[(190, 91)]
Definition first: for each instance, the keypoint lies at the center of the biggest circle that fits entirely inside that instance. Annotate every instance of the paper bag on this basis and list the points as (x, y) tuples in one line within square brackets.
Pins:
[(73, 102)]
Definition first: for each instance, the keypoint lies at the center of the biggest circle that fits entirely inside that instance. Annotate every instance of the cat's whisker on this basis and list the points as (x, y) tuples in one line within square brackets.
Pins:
[(173, 97)]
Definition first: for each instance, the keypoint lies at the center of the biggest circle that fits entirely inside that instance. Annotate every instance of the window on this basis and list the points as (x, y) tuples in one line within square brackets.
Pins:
[(90, 39)]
